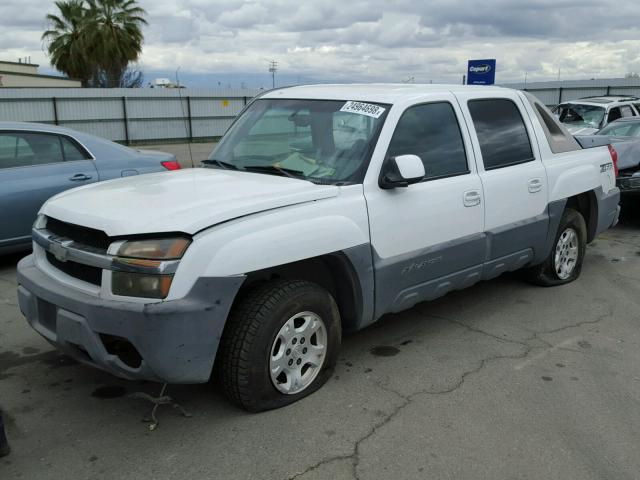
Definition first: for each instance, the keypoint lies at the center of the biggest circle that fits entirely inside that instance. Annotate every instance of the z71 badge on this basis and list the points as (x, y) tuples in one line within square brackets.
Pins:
[(605, 167)]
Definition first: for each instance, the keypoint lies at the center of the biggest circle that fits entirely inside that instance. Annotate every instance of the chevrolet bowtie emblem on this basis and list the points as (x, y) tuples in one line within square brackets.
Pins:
[(58, 249)]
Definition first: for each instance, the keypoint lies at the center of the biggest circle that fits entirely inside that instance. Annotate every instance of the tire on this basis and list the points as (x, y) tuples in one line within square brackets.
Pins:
[(258, 327), (554, 271)]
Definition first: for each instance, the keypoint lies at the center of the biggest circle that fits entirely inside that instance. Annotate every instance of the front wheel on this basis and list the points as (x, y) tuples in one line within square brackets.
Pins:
[(280, 344), (564, 263)]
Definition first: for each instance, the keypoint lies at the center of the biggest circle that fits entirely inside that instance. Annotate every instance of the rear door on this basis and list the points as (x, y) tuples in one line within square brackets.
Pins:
[(33, 167), (427, 238), (513, 178)]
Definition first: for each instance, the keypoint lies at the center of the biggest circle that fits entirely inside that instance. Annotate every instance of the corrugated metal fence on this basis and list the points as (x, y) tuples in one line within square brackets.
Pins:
[(553, 93), (169, 115), (129, 115)]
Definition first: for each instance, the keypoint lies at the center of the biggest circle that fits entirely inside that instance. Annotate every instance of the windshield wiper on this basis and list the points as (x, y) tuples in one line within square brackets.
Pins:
[(221, 164), (285, 172)]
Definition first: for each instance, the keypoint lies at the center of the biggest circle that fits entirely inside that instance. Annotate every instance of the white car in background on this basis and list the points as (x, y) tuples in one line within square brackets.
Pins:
[(586, 116)]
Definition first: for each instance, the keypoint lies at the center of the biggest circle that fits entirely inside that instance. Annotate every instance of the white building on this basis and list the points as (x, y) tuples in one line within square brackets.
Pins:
[(19, 74)]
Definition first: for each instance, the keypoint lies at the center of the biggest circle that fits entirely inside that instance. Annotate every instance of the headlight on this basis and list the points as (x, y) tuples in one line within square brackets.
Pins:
[(158, 248), (145, 267)]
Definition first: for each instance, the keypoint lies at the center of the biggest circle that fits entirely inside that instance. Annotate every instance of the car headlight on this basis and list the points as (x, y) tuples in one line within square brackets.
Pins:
[(157, 248), (144, 268)]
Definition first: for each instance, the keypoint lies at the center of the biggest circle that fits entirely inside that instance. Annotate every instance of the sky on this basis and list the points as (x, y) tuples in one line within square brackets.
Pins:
[(232, 41)]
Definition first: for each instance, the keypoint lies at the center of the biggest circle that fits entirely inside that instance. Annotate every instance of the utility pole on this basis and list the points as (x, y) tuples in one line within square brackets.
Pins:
[(273, 68)]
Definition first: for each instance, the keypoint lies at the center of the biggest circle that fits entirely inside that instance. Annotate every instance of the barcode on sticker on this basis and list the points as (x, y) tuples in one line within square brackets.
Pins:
[(368, 109)]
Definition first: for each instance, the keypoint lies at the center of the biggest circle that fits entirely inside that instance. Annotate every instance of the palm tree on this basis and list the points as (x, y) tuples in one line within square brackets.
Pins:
[(114, 32), (65, 40), (95, 40)]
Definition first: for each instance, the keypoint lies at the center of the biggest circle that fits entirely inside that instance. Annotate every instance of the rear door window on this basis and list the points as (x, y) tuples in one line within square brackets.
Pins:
[(627, 111), (23, 149), (614, 114), (71, 151), (502, 134)]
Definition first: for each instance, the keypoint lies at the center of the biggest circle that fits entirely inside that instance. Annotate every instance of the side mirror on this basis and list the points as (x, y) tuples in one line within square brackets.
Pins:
[(401, 171)]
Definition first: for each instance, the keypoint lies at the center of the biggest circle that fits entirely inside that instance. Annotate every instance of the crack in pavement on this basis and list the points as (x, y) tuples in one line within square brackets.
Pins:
[(406, 400), (600, 318), (354, 456)]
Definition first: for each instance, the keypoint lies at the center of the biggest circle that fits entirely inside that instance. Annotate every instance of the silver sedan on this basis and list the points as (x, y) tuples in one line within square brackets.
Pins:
[(37, 161)]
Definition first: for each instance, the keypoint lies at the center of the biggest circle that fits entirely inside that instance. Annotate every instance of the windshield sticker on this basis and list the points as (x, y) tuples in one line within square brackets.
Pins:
[(368, 109)]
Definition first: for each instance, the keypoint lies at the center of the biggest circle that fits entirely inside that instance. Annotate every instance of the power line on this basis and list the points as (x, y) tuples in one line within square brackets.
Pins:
[(273, 68)]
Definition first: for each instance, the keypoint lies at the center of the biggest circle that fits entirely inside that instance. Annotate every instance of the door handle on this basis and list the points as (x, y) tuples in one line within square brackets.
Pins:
[(534, 185), (80, 177), (471, 198)]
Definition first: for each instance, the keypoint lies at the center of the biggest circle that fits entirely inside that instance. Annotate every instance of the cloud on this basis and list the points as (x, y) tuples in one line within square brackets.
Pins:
[(370, 40)]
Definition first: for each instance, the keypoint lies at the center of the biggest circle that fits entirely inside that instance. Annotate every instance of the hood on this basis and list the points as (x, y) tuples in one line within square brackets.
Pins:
[(181, 201), (580, 130)]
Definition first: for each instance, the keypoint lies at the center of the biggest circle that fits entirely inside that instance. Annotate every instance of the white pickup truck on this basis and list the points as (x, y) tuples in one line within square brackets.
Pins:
[(321, 209)]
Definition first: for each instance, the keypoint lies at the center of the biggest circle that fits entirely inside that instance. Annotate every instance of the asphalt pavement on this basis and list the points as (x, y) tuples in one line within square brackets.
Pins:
[(504, 380)]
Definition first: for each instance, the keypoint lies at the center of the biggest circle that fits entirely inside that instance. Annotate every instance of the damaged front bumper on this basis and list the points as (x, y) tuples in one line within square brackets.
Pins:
[(172, 341)]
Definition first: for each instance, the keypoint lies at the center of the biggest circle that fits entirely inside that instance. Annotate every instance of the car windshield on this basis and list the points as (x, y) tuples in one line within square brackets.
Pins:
[(621, 129), (324, 141), (576, 114)]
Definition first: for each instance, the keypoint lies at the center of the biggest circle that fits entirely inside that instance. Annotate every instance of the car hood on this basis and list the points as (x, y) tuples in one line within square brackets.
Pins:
[(186, 201)]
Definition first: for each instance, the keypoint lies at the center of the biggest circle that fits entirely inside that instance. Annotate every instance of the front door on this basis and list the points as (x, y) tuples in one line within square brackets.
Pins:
[(427, 238)]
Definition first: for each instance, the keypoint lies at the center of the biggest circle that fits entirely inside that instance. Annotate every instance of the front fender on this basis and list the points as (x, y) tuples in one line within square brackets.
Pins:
[(273, 238), (280, 244)]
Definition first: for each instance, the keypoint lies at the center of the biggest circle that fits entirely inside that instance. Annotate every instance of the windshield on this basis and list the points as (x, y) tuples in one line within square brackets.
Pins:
[(621, 129), (575, 114), (318, 140)]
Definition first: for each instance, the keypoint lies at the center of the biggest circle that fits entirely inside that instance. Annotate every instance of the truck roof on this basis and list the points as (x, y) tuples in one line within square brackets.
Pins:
[(372, 92), (603, 101)]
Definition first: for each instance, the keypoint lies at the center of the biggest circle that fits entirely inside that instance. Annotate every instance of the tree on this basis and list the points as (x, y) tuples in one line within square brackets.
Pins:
[(95, 40), (114, 32), (132, 77), (65, 37)]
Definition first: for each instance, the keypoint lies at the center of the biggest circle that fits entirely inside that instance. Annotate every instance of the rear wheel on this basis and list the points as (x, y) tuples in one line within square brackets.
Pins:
[(280, 344), (564, 263)]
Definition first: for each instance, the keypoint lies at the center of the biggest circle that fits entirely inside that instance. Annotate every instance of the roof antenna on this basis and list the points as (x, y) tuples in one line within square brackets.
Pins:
[(187, 131)]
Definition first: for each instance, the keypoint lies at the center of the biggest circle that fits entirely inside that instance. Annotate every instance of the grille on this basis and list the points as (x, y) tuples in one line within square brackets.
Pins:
[(77, 270), (83, 235)]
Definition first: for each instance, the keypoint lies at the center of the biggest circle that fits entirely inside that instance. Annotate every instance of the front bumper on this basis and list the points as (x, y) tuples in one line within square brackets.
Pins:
[(176, 340)]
